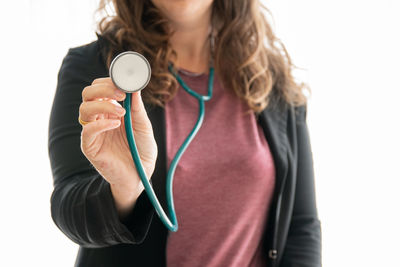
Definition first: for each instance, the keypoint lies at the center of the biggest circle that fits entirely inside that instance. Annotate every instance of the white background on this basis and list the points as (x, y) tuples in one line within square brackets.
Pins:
[(349, 50)]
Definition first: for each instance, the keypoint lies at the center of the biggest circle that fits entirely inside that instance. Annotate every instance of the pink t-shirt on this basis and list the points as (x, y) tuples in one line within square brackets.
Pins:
[(223, 184)]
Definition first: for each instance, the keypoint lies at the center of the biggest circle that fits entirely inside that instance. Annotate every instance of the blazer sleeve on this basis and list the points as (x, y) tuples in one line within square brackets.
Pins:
[(303, 246), (82, 205)]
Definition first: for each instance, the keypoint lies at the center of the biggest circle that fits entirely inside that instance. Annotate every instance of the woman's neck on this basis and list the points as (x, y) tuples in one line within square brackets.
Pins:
[(191, 43)]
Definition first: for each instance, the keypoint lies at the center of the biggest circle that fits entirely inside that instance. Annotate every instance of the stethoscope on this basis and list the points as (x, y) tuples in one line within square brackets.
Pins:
[(131, 72)]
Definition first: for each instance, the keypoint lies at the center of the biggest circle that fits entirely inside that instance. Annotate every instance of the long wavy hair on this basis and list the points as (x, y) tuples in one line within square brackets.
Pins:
[(248, 57)]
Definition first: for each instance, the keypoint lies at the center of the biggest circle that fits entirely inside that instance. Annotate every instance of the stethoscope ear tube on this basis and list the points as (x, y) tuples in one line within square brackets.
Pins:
[(170, 224), (125, 82)]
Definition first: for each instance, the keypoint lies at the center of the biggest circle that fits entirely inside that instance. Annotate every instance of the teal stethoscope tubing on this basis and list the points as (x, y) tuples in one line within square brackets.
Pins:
[(171, 224)]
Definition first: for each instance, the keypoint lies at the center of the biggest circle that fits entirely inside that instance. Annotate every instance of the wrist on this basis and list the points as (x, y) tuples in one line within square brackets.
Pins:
[(125, 197)]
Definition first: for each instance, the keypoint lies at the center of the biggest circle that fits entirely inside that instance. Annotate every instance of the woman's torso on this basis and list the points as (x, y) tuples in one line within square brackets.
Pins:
[(223, 183)]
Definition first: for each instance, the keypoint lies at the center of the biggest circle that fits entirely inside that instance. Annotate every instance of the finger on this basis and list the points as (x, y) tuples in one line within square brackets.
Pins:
[(88, 111), (92, 130), (102, 90)]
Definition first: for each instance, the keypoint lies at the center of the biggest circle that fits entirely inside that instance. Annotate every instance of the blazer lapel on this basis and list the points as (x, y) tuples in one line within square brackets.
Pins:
[(273, 120)]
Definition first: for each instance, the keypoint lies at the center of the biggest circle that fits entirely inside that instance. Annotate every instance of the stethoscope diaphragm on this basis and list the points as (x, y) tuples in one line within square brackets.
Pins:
[(130, 71)]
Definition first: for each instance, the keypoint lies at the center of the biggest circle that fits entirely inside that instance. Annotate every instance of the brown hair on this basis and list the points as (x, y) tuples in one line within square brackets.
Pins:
[(249, 58)]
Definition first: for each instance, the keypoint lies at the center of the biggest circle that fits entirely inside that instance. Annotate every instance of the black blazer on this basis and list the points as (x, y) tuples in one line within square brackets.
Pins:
[(82, 206)]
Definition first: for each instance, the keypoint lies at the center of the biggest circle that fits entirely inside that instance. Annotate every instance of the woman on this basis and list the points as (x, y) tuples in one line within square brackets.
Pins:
[(243, 190)]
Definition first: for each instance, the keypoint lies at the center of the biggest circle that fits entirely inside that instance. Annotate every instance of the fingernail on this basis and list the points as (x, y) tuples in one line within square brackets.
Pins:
[(120, 110), (119, 93)]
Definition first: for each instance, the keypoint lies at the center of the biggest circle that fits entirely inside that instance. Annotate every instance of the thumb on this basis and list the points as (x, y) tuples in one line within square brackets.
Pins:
[(138, 112), (137, 103)]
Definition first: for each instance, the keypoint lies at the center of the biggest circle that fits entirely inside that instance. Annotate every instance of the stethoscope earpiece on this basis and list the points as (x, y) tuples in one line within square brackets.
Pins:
[(130, 71)]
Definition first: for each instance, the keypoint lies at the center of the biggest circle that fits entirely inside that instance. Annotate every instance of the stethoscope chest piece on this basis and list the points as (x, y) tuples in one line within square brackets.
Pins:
[(130, 71)]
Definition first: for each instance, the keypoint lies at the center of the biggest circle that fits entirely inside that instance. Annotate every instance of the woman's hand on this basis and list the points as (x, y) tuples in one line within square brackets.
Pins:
[(103, 140)]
